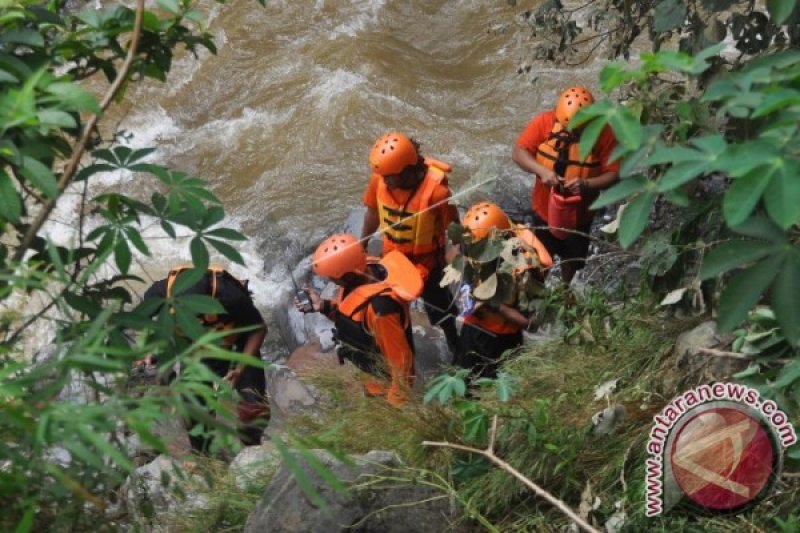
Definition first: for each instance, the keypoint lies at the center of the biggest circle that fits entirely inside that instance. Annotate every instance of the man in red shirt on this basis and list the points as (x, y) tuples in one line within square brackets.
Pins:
[(566, 185)]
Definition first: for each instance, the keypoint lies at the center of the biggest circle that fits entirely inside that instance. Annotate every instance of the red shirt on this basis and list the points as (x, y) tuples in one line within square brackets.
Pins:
[(538, 130)]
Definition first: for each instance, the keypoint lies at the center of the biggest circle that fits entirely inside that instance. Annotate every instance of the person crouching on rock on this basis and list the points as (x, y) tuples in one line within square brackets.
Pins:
[(371, 312), (240, 312), (497, 318)]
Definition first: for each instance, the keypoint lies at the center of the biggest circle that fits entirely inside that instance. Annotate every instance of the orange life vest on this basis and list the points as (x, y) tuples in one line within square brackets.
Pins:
[(413, 228), (401, 282), (561, 152), (209, 320), (490, 319)]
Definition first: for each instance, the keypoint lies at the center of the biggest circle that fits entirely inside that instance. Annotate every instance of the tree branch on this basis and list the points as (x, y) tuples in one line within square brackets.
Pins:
[(722, 353), (72, 165), (489, 454)]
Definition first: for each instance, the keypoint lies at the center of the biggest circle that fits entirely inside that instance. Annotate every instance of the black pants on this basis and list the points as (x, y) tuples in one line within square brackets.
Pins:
[(251, 387), (481, 350), (440, 307), (574, 248)]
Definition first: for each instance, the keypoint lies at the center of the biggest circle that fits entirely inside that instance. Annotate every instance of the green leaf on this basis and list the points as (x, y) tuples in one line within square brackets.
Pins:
[(626, 126), (677, 197), (171, 6), (201, 304), (681, 173), (73, 97), (476, 425), (733, 254), (780, 10), (744, 291), (135, 237), (322, 471), (669, 14), (788, 374), (227, 250), (26, 523), (634, 218), (10, 202), (484, 250), (195, 16), (590, 112), (122, 256), (743, 196), (624, 188), (505, 386), (761, 227), (782, 196), (199, 253), (187, 278), (780, 99), (40, 176), (589, 136), (786, 297), (672, 154), (105, 447), (299, 474), (226, 233), (54, 118), (24, 37)]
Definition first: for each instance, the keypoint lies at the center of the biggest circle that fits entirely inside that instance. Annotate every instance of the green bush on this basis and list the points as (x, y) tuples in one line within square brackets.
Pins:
[(49, 146)]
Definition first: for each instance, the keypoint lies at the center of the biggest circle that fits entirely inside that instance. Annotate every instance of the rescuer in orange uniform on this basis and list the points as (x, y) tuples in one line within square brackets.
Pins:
[(407, 197), (371, 312), (567, 185), (491, 328)]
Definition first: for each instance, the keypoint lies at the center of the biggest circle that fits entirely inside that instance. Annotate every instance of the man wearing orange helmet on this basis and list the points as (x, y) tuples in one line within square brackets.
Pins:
[(371, 312), (494, 327), (567, 184), (407, 197)]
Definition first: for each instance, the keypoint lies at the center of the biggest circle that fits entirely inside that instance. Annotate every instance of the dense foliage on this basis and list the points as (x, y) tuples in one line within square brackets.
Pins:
[(65, 420), (712, 130)]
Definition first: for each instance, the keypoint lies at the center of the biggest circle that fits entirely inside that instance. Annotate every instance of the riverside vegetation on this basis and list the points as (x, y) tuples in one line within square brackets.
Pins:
[(687, 120)]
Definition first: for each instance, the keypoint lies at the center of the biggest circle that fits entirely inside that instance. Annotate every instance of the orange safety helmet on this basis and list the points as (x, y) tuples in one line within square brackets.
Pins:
[(338, 255), (481, 218), (570, 102), (392, 153)]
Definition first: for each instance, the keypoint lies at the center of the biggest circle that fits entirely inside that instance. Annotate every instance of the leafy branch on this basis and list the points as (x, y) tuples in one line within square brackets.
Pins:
[(72, 165)]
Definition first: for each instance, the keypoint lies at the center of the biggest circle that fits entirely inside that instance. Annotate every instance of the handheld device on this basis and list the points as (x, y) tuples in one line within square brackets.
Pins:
[(302, 296)]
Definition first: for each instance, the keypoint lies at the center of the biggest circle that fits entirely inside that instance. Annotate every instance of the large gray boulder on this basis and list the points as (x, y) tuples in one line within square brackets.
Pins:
[(371, 503), (254, 465), (159, 488)]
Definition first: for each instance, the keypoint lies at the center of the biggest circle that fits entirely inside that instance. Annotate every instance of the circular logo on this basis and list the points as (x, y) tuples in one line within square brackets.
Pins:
[(722, 458)]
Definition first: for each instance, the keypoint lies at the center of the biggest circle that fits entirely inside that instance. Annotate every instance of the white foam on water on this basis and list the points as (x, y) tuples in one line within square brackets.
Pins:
[(150, 127), (366, 14), (332, 84)]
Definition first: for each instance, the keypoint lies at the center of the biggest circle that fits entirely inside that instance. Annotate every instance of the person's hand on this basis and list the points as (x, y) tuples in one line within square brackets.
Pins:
[(233, 376), (313, 295), (550, 178), (574, 187)]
